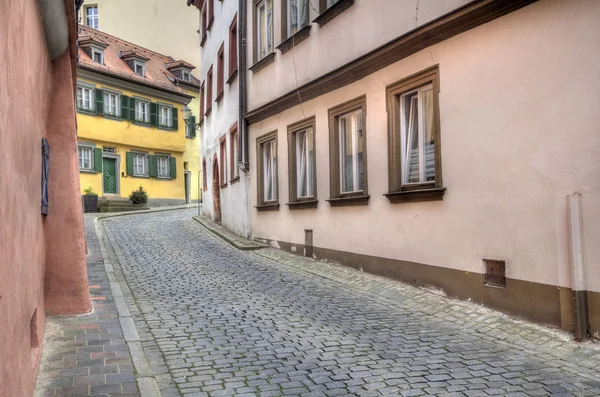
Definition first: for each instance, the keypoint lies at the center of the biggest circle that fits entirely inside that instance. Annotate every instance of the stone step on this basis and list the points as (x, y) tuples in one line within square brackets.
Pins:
[(122, 209)]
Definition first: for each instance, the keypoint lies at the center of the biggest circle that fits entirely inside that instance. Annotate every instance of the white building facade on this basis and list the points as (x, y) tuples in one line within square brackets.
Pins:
[(449, 144)]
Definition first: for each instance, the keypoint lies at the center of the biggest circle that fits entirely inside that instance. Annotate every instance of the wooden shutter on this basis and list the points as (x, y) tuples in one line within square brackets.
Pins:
[(99, 101), (153, 114), (98, 159), (129, 163), (153, 169), (131, 109), (173, 167), (175, 124), (124, 107), (192, 123)]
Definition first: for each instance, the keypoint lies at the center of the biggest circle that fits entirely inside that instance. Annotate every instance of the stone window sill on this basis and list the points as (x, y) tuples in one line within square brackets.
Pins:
[(411, 196), (299, 205), (208, 111), (267, 60), (268, 207), (294, 40), (234, 180), (87, 171), (224, 185), (232, 77), (333, 12), (220, 96), (348, 201)]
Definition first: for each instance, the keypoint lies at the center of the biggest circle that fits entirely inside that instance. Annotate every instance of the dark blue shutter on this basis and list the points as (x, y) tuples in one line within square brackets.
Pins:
[(45, 170)]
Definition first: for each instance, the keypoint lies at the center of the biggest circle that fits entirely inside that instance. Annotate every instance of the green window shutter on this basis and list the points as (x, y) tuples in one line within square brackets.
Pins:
[(124, 107), (98, 160), (175, 124), (154, 114), (129, 163), (153, 171), (99, 101), (131, 109), (192, 123), (173, 167)]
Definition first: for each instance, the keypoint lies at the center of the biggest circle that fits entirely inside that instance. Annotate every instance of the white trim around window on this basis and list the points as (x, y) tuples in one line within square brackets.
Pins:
[(112, 103), (139, 68), (85, 155), (351, 152), (165, 116), (163, 166), (142, 110), (91, 16), (85, 98), (140, 164)]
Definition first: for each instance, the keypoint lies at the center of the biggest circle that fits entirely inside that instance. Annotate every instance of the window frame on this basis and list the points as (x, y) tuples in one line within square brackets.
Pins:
[(202, 102), (147, 118), (223, 161), (422, 191), (204, 178), (168, 167), (233, 50), (328, 12), (220, 72), (91, 149), (96, 17), (209, 86), (92, 90), (137, 63), (257, 37), (146, 164), (262, 204), (186, 75), (337, 197), (296, 202), (169, 109), (211, 13), (286, 19), (100, 52), (107, 92), (234, 170), (204, 22)]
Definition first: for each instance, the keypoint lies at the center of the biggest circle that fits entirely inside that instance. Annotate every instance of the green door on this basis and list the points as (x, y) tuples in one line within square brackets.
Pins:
[(109, 172)]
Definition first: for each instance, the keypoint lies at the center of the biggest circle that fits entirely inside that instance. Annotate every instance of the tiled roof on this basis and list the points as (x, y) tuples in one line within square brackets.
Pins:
[(156, 71)]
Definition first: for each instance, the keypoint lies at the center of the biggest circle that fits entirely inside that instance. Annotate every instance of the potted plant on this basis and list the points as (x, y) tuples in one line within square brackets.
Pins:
[(90, 200), (139, 196)]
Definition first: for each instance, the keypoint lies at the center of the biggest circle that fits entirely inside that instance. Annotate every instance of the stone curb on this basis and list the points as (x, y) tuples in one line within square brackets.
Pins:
[(148, 211), (237, 242), (146, 383)]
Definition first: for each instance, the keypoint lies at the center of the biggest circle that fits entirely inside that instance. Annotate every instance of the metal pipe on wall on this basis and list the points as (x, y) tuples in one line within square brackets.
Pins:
[(242, 124), (578, 266)]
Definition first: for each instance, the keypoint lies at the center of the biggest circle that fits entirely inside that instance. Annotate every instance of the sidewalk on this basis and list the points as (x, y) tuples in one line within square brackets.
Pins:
[(86, 355)]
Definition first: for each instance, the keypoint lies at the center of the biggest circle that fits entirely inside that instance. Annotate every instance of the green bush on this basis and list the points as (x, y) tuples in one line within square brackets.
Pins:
[(89, 191), (139, 196)]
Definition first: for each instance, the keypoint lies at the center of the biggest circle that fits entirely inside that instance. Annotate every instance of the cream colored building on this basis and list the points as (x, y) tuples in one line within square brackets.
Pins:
[(168, 27), (455, 145)]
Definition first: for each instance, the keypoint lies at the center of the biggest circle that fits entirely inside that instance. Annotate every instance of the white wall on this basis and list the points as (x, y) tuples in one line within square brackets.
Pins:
[(234, 198), (366, 25), (519, 131)]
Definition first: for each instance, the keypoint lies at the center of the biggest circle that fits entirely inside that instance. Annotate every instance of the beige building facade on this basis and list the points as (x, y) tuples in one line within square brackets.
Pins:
[(454, 146)]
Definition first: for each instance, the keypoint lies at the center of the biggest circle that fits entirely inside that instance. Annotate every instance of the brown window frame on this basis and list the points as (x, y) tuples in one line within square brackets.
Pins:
[(233, 50), (204, 23), (424, 191), (260, 63), (211, 13), (202, 99), (337, 198), (294, 201), (209, 84), (234, 170), (223, 161), (288, 41), (272, 205), (220, 72), (326, 14), (204, 179)]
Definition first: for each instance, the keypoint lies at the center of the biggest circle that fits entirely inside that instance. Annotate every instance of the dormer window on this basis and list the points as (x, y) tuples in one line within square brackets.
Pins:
[(98, 56), (185, 75), (139, 68)]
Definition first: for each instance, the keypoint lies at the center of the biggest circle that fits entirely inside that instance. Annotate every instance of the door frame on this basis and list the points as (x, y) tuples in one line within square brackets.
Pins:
[(117, 173), (187, 182)]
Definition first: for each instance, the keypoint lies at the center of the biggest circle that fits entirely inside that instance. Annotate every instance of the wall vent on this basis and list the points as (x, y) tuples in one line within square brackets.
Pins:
[(495, 273), (308, 242), (109, 149)]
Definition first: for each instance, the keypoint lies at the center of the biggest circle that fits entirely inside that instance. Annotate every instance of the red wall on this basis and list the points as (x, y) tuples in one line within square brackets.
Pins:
[(34, 104)]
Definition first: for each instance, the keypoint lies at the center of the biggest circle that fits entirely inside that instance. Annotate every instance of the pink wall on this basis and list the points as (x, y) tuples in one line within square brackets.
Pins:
[(29, 94)]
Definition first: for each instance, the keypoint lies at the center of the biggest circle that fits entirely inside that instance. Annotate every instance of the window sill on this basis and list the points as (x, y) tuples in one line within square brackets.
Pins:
[(267, 60), (87, 111), (219, 96), (234, 180), (88, 171), (165, 128), (224, 185), (113, 117), (333, 12), (201, 122), (208, 112), (164, 178), (267, 207), (140, 176), (347, 201), (203, 41), (294, 40), (210, 23), (232, 77), (300, 205), (411, 196)]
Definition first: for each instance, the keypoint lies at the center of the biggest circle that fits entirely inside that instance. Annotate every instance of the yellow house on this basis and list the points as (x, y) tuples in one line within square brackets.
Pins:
[(131, 130)]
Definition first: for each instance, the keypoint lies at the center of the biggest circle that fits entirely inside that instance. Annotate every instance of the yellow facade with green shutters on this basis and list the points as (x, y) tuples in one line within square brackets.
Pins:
[(119, 150)]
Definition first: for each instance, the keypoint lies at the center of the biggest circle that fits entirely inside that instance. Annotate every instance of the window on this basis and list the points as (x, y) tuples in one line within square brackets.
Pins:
[(264, 28), (348, 153), (296, 16), (140, 164), (162, 166), (267, 171), (329, 9), (86, 156), (190, 127), (202, 102), (164, 116), (185, 75), (211, 13), (302, 162), (98, 56), (331, 2), (204, 25), (142, 112), (204, 179), (91, 16), (111, 103), (84, 98), (233, 50), (209, 83), (220, 72), (233, 153), (223, 161), (413, 133), (139, 68)]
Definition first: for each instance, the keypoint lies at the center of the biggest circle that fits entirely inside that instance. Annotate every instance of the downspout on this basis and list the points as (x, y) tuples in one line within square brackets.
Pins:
[(242, 123), (578, 267)]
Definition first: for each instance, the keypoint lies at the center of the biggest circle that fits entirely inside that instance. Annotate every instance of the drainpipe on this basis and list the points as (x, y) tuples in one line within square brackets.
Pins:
[(578, 267), (242, 124)]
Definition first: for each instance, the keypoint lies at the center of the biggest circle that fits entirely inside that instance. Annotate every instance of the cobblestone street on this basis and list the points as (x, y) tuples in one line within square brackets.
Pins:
[(215, 321)]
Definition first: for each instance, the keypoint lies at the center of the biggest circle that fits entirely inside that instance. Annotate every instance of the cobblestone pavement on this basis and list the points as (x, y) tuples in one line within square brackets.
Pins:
[(215, 321), (86, 355)]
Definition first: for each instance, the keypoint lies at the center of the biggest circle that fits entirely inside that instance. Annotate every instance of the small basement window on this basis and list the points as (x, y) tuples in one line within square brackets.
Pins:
[(495, 273)]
